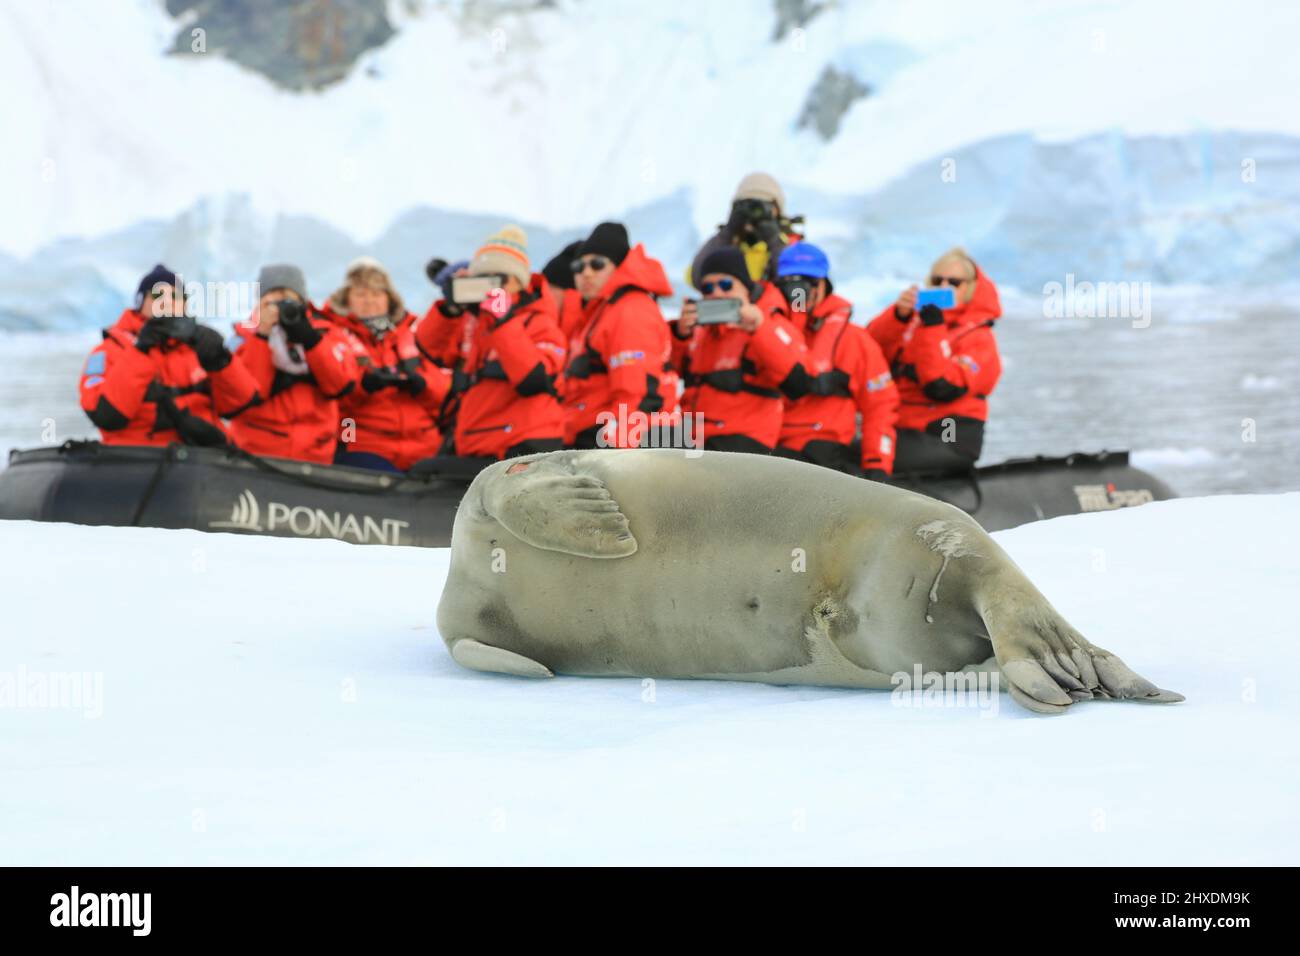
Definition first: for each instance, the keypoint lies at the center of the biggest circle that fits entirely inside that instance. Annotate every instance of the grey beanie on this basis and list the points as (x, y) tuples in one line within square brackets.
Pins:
[(282, 276)]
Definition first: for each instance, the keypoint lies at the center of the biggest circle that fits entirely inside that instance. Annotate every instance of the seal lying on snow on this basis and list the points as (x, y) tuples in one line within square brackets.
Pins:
[(741, 567)]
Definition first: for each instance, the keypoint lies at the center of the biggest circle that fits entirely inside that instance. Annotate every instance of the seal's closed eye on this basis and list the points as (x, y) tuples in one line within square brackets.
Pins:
[(571, 513)]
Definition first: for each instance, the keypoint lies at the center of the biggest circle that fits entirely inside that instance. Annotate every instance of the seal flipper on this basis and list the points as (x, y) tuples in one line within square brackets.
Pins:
[(573, 514), (1049, 665), (478, 656)]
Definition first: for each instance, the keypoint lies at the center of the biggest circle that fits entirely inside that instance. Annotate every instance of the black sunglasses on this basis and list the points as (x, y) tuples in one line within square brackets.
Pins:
[(596, 263), (725, 285), (940, 281)]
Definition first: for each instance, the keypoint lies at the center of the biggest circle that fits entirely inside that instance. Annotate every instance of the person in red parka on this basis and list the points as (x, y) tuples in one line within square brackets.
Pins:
[(945, 363), (158, 377), (618, 361), (390, 420), (508, 353), (849, 376), (738, 374), (302, 363), (559, 276)]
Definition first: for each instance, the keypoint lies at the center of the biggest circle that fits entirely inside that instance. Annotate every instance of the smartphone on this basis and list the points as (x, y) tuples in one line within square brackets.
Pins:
[(944, 298), (717, 311), (471, 290)]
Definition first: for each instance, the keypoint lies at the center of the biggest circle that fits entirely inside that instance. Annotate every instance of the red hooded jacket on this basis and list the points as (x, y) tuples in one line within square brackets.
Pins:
[(571, 314), (946, 370), (733, 377), (850, 375), (392, 422), (619, 359), (130, 395), (504, 374), (299, 416)]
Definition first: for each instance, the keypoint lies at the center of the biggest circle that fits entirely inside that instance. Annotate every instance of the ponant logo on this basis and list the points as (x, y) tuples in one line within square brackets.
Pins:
[(243, 516), (1107, 497), (306, 522)]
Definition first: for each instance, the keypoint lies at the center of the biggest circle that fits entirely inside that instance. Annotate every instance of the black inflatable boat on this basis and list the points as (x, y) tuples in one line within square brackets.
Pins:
[(216, 490)]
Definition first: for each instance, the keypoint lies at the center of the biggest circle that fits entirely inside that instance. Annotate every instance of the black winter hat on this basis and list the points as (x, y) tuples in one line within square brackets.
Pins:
[(608, 239), (557, 271), (158, 275), (727, 261)]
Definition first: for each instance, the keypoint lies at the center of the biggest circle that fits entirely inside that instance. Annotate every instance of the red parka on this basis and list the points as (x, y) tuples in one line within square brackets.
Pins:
[(135, 398), (504, 373), (946, 370), (734, 378), (299, 415), (850, 375), (571, 314), (391, 422), (619, 360)]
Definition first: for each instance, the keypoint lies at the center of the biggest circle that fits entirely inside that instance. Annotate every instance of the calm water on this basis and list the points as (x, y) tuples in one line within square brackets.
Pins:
[(1176, 393)]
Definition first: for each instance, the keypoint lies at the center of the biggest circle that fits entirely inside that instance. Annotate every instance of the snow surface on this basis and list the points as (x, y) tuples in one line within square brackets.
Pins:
[(274, 701), (1103, 139)]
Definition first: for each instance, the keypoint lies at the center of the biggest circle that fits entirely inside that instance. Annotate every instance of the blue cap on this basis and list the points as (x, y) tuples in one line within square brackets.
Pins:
[(803, 259)]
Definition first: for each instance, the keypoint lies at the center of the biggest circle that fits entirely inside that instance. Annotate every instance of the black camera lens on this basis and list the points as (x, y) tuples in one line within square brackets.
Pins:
[(291, 310)]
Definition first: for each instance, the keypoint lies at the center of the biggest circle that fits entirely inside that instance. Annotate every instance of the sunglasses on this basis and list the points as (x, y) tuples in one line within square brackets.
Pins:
[(726, 285), (595, 263), (941, 281)]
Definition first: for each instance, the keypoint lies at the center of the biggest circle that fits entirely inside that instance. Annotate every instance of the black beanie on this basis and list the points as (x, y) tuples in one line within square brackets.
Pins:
[(728, 261), (558, 271), (158, 275), (609, 239)]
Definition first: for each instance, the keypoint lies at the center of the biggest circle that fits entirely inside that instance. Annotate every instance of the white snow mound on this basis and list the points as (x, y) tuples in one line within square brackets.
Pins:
[(253, 700)]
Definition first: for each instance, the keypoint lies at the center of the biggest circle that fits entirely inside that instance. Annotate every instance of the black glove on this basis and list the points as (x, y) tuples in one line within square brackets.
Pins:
[(931, 315), (875, 474), (210, 349), (736, 222), (450, 310), (152, 335), (413, 382), (298, 328), (378, 379)]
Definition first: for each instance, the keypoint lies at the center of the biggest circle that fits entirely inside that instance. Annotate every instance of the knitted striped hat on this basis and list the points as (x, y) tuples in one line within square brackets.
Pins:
[(504, 253)]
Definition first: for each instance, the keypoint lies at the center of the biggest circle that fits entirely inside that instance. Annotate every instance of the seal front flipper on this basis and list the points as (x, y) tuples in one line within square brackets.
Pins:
[(478, 656), (558, 511)]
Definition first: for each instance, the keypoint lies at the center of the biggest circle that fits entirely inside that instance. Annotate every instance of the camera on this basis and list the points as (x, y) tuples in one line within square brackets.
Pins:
[(471, 290), (754, 210), (717, 312), (798, 291), (291, 311), (178, 327), (944, 298)]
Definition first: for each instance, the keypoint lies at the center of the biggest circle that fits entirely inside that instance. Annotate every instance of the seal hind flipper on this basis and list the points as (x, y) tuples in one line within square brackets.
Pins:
[(478, 656), (571, 513), (1049, 665)]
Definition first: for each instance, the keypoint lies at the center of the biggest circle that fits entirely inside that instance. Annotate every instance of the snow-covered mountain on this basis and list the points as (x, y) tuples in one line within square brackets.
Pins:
[(1118, 142)]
